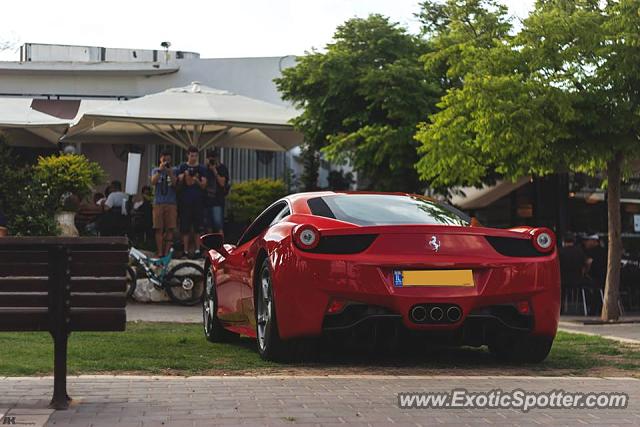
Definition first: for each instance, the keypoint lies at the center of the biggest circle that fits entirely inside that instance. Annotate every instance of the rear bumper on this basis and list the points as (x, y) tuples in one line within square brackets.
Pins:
[(305, 287)]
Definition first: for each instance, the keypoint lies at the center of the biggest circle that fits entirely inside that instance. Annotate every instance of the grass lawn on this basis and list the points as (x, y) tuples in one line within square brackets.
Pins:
[(181, 349)]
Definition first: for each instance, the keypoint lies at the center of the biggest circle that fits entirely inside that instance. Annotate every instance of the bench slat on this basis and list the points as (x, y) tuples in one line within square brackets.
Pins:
[(105, 300), (21, 300), (74, 243), (98, 270), (24, 300), (10, 257), (77, 269), (106, 284), (98, 319), (100, 257), (24, 319), (27, 284), (23, 269)]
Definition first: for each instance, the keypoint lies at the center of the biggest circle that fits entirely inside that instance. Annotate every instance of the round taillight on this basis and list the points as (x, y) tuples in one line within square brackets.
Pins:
[(306, 236), (543, 239)]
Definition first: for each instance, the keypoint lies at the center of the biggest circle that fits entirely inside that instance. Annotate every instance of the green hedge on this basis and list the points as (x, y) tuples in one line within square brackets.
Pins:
[(249, 198)]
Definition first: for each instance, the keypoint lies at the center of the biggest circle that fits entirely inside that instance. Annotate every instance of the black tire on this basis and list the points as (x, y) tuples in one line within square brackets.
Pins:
[(213, 329), (521, 348), (132, 281), (270, 345), (185, 283)]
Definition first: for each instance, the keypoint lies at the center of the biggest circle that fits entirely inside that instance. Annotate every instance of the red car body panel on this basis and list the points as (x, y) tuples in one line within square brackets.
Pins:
[(304, 283)]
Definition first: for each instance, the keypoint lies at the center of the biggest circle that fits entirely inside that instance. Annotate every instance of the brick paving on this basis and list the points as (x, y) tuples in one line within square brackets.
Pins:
[(327, 401)]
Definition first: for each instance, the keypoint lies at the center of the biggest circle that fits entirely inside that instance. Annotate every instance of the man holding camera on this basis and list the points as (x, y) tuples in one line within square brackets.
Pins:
[(192, 181), (217, 189), (165, 212)]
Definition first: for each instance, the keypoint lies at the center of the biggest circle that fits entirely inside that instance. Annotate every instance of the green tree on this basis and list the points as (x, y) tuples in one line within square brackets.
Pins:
[(361, 100), (561, 95)]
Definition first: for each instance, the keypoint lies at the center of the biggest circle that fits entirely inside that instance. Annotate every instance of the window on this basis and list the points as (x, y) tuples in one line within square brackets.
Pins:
[(384, 209), (264, 220), (283, 213)]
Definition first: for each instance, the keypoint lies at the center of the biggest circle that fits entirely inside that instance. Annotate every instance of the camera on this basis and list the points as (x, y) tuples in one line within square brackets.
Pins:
[(167, 165)]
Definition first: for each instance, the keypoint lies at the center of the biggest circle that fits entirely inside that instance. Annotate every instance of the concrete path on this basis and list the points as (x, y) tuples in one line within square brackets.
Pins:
[(163, 312), (628, 330), (337, 400)]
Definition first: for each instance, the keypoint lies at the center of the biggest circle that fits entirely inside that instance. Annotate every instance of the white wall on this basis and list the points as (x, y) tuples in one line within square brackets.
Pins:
[(252, 77)]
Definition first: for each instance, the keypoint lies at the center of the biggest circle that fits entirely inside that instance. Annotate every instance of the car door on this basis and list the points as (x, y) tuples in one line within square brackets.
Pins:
[(247, 285), (237, 269)]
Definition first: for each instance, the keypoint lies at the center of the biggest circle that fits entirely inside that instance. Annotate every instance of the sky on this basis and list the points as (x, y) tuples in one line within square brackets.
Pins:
[(214, 28)]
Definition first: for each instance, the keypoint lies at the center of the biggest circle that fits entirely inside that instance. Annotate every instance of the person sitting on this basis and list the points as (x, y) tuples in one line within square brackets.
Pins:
[(115, 221), (142, 216), (574, 265), (88, 214)]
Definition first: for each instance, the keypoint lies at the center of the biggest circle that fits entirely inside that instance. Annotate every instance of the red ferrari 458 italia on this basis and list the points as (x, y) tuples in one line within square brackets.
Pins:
[(318, 262)]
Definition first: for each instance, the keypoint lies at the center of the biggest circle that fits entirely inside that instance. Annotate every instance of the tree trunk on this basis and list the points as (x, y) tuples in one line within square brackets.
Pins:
[(311, 165), (610, 308)]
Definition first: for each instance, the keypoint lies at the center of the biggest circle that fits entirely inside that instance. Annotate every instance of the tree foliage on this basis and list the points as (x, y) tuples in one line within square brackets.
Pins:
[(361, 100), (562, 94), (25, 202)]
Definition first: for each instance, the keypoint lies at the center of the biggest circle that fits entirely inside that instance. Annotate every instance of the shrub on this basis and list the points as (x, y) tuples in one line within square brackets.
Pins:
[(68, 173), (249, 198), (24, 202)]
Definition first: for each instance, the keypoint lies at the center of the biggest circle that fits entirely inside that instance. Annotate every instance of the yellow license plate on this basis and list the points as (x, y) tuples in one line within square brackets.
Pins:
[(433, 278)]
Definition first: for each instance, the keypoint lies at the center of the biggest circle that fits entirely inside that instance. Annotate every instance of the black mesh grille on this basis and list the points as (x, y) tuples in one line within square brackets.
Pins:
[(344, 244), (509, 246)]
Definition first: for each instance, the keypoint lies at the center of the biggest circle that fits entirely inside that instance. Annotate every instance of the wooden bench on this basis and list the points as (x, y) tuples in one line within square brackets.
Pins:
[(60, 285)]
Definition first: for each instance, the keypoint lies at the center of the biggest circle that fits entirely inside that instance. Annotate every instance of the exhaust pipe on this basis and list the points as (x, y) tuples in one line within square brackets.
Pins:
[(436, 314), (418, 313), (454, 314)]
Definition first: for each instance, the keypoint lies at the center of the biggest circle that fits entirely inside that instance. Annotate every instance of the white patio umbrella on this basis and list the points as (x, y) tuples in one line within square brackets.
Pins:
[(192, 115), (16, 113), (46, 118)]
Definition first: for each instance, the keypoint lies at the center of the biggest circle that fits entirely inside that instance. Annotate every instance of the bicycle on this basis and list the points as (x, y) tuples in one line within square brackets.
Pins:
[(184, 283)]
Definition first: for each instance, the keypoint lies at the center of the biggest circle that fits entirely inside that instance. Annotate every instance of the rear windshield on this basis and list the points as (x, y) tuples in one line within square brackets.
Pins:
[(383, 209)]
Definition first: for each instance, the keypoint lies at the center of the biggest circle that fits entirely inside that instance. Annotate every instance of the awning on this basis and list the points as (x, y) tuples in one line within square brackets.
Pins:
[(46, 118), (477, 198), (192, 115)]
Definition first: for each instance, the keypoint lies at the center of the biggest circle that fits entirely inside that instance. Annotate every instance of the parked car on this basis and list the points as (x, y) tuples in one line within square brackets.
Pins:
[(313, 263)]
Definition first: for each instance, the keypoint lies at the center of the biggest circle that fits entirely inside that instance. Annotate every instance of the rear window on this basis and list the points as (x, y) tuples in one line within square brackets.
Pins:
[(382, 209)]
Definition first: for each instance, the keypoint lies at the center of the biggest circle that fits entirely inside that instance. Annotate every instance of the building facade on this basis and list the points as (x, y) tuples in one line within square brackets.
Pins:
[(57, 72)]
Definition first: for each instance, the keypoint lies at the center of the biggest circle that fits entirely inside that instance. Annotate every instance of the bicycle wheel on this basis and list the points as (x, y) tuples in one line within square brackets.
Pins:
[(185, 283), (132, 281)]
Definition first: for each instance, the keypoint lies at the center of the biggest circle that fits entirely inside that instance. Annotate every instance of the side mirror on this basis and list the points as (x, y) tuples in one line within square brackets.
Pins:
[(214, 241)]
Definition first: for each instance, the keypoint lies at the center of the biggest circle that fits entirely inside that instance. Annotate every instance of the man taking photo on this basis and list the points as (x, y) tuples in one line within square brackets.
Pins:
[(192, 182), (216, 191), (165, 212)]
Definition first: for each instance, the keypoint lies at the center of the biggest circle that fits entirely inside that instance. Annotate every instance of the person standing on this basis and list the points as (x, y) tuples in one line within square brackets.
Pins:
[(164, 211), (598, 267), (192, 181), (3, 223), (216, 191)]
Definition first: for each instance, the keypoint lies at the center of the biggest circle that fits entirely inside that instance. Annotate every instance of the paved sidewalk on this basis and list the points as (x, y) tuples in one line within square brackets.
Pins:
[(628, 330), (354, 400), (163, 312)]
